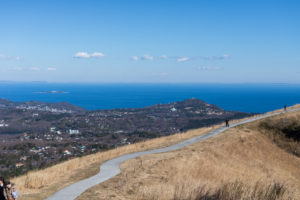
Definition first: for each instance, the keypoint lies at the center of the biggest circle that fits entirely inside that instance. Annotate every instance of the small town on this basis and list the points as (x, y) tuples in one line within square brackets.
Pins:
[(37, 135)]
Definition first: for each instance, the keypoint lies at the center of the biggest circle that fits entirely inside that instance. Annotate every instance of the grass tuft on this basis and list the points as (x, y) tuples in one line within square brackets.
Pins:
[(234, 191)]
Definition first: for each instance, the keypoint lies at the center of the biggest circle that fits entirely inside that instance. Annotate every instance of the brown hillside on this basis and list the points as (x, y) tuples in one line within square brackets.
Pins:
[(247, 154)]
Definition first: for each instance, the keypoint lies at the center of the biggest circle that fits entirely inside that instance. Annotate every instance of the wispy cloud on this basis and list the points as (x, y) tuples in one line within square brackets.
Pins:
[(226, 56), (4, 57), (147, 57), (183, 59), (180, 58), (135, 58), (97, 55), (87, 55), (163, 57), (35, 69), (209, 68), (144, 57), (18, 68), (210, 58), (223, 57), (51, 69), (81, 55)]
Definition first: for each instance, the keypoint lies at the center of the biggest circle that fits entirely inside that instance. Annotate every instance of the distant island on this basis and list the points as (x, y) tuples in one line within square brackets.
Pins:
[(51, 92)]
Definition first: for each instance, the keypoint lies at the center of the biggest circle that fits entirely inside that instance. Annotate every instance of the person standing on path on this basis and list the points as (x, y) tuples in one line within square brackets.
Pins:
[(284, 107), (227, 123)]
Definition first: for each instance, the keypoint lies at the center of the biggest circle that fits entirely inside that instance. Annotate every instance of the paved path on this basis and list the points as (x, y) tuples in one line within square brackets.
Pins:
[(111, 168)]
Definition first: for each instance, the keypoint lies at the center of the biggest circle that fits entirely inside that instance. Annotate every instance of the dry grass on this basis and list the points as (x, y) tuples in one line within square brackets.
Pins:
[(285, 132), (240, 155), (41, 184), (233, 191)]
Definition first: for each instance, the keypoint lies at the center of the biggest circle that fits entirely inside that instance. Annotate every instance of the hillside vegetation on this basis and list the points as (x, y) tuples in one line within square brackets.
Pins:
[(252, 161), (37, 185), (39, 134), (159, 176), (284, 131)]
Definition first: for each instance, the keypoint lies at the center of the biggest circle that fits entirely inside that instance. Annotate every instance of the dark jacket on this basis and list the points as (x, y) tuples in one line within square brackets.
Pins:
[(2, 197)]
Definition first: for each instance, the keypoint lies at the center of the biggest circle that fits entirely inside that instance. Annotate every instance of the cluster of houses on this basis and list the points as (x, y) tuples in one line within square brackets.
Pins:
[(3, 124), (50, 137), (42, 150), (25, 136), (20, 164), (81, 148), (70, 131), (43, 108)]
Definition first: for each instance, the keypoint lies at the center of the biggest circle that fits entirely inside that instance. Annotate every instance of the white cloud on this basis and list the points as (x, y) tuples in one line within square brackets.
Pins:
[(163, 57), (35, 69), (4, 57), (144, 57), (147, 57), (97, 55), (18, 58), (226, 56), (180, 58), (183, 59), (51, 69), (87, 55), (81, 55), (223, 57), (135, 58)]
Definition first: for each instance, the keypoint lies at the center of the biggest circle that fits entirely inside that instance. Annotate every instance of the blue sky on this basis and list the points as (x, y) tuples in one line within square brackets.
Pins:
[(150, 41)]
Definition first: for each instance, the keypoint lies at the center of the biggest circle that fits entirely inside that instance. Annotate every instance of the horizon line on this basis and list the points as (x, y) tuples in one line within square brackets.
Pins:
[(119, 82)]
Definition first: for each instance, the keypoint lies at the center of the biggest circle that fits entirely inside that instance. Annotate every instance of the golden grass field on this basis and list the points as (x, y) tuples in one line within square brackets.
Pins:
[(240, 154), (162, 173), (42, 183)]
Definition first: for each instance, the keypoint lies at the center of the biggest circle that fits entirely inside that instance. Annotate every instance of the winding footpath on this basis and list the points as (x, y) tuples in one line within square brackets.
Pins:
[(111, 167)]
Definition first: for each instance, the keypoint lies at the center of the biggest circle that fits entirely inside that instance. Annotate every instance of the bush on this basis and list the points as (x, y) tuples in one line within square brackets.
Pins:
[(284, 132)]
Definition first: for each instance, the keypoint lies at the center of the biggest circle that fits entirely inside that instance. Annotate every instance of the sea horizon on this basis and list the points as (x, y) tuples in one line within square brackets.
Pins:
[(246, 97)]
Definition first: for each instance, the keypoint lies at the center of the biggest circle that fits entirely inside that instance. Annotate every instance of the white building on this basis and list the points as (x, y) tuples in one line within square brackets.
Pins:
[(74, 131), (35, 114), (173, 109), (67, 153), (3, 124)]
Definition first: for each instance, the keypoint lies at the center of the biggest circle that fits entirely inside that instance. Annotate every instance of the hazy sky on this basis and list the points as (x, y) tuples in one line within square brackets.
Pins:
[(150, 41)]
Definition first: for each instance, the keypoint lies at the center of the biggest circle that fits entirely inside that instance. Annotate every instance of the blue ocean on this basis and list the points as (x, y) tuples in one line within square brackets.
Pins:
[(256, 98)]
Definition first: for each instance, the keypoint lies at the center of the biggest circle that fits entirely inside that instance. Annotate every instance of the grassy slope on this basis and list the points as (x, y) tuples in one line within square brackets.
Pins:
[(37, 185), (41, 184), (248, 154)]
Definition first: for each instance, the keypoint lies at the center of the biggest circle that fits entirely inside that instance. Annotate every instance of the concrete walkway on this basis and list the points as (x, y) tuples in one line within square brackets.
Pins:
[(111, 168)]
